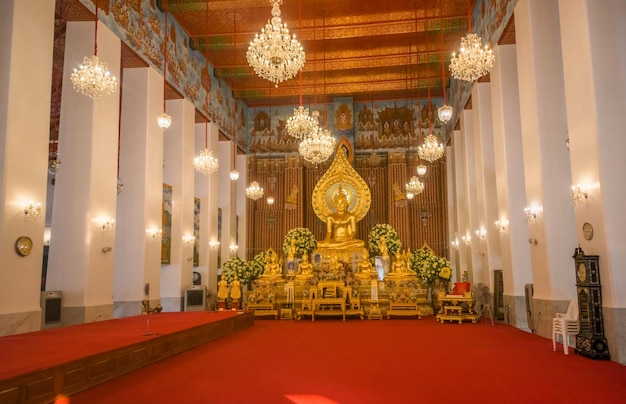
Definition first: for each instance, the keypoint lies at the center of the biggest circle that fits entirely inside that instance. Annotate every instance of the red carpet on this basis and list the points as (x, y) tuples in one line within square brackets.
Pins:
[(390, 361), (25, 353)]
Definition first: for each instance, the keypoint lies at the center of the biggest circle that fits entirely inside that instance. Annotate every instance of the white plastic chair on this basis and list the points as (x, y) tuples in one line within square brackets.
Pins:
[(566, 325)]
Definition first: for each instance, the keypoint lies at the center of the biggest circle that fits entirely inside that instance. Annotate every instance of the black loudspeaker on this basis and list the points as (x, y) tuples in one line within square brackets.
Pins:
[(195, 298), (51, 309)]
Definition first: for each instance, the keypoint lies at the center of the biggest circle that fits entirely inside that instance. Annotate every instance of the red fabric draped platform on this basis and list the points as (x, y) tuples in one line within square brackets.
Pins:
[(35, 366)]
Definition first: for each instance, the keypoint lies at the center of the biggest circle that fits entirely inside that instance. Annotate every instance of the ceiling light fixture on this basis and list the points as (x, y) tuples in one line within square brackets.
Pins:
[(301, 123), (445, 111), (164, 120), (93, 78), (274, 54), (206, 163), (319, 145), (414, 187), (474, 61)]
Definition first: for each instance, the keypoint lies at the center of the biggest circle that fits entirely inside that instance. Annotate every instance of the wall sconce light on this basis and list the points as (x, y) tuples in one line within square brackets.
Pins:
[(578, 194), (532, 241), (108, 224), (530, 214), (107, 249), (467, 240), (214, 243), (189, 240), (155, 233), (482, 233), (270, 200), (32, 210), (501, 226), (455, 243), (410, 195), (233, 248)]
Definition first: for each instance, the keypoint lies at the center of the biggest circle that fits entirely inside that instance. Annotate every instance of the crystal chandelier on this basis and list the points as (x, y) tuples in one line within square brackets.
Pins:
[(205, 163), (474, 61), (274, 54), (301, 124), (164, 120), (414, 187), (254, 191), (93, 79), (430, 150), (318, 147)]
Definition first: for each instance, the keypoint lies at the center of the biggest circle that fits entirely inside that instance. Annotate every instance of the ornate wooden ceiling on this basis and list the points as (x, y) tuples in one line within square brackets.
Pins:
[(367, 49)]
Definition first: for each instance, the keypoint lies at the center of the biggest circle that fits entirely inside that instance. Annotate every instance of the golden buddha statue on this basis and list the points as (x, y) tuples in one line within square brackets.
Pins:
[(272, 268), (305, 268), (365, 269), (400, 267), (340, 225), (340, 199), (293, 249)]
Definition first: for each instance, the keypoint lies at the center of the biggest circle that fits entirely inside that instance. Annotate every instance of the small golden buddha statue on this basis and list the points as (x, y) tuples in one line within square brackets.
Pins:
[(400, 267), (340, 225), (272, 268), (365, 269), (305, 268), (292, 198)]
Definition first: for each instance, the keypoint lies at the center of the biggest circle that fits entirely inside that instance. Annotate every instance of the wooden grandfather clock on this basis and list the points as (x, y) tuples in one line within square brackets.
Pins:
[(590, 340)]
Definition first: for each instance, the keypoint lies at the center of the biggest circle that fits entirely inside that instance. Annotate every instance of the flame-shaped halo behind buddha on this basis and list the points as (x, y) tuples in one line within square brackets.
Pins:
[(341, 176)]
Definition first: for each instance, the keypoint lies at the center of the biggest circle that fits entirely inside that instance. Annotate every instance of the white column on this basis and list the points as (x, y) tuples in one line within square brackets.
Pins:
[(26, 37), (462, 205), (509, 169), (486, 191), (227, 198), (472, 222), (546, 157), (179, 174), (85, 189), (138, 244), (451, 210), (206, 190), (593, 46), (240, 195)]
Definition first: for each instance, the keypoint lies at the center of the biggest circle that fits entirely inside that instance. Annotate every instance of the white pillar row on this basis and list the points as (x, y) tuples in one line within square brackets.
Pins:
[(462, 206), (178, 172), (486, 192), (139, 209), (593, 46), (81, 258), (509, 170), (546, 158), (472, 221), (26, 37), (226, 201)]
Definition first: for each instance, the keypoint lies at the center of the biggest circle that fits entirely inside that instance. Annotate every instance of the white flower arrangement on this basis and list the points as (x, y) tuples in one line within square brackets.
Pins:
[(305, 241), (429, 267), (391, 239), (236, 266)]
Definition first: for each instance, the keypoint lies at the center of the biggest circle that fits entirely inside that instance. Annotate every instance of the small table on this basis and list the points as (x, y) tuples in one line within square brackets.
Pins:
[(452, 309)]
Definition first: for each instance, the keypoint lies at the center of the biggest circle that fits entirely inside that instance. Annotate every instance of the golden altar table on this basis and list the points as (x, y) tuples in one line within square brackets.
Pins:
[(457, 308)]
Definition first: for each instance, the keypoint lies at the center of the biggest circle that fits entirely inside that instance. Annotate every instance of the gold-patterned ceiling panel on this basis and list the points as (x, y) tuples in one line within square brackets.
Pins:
[(362, 48)]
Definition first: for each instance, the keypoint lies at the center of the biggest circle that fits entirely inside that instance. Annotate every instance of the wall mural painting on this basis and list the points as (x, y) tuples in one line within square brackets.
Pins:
[(166, 225), (196, 231)]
